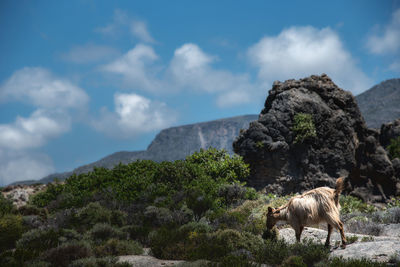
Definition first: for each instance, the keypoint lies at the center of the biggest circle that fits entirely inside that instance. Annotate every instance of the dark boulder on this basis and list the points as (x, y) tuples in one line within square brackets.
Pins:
[(343, 145), (388, 132)]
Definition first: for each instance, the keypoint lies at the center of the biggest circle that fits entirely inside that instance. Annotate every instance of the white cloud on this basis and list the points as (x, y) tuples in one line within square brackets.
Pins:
[(89, 53), (134, 115), (122, 22), (388, 40), (301, 51), (55, 100), (34, 131), (39, 87), (139, 29), (120, 18), (191, 69), (18, 166), (137, 68)]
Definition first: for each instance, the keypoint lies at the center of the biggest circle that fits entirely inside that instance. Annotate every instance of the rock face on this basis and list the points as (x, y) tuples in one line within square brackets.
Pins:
[(343, 145), (389, 131)]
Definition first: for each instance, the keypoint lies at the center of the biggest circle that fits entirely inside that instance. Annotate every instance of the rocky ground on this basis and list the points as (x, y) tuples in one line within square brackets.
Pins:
[(19, 194), (378, 248)]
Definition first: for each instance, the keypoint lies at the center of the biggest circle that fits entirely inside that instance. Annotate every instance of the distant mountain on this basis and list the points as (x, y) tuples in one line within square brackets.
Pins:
[(171, 144), (381, 103)]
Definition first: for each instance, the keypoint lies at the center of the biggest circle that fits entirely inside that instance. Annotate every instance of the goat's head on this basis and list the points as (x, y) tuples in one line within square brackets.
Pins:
[(272, 217)]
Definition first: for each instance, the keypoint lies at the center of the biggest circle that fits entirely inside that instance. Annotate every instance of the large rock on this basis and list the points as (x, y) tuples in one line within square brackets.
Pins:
[(343, 144), (389, 131)]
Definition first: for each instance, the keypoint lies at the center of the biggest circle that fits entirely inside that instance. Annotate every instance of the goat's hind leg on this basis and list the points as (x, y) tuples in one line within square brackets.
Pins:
[(328, 238), (338, 225), (298, 231)]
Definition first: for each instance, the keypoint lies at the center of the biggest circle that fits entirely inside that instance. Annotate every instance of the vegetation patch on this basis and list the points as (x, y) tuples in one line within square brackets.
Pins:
[(303, 127)]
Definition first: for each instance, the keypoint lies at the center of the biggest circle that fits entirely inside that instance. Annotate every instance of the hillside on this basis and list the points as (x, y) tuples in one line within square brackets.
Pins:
[(188, 138), (381, 103)]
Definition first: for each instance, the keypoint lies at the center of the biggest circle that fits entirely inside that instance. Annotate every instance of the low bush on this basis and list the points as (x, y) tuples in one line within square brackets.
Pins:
[(350, 204), (11, 229), (275, 252), (6, 206), (33, 210), (394, 148), (392, 215), (115, 247), (33, 221), (90, 215), (98, 262), (64, 254), (156, 217), (102, 232), (135, 232), (35, 241), (293, 261), (366, 227)]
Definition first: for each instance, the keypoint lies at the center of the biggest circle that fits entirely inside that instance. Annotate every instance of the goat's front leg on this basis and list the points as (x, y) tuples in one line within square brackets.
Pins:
[(298, 232), (328, 238)]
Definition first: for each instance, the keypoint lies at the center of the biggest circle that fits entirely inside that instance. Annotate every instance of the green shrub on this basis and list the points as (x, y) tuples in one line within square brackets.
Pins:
[(118, 218), (90, 215), (35, 241), (352, 239), (350, 204), (155, 216), (273, 252), (234, 261), (293, 261), (394, 148), (303, 127), (102, 232), (33, 210), (135, 232), (309, 251), (98, 262), (115, 247), (11, 229), (6, 206), (69, 235), (64, 254), (42, 199)]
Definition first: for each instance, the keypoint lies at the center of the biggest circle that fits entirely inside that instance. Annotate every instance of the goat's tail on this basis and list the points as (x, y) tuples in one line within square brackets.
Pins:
[(338, 189)]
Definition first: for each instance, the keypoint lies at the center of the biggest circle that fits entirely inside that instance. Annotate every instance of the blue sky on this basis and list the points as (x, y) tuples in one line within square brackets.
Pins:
[(82, 79)]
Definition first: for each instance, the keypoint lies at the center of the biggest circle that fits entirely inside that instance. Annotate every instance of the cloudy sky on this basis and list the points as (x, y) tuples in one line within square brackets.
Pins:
[(82, 79)]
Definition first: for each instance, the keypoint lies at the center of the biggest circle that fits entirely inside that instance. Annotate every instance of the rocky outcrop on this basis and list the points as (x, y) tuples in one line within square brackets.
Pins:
[(389, 131), (343, 144)]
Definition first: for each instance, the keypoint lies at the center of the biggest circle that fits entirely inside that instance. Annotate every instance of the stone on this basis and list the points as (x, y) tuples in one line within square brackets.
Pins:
[(343, 145)]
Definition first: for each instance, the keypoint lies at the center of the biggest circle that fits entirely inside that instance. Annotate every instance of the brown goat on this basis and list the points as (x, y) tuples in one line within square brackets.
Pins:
[(312, 207)]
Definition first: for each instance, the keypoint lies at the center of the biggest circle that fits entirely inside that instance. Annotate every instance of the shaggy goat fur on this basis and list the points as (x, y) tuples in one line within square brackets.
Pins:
[(312, 207)]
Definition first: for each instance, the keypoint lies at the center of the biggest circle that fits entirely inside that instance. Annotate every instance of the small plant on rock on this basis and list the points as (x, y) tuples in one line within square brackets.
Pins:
[(394, 148), (303, 127)]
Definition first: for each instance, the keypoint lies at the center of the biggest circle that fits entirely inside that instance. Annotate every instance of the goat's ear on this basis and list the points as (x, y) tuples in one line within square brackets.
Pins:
[(269, 210)]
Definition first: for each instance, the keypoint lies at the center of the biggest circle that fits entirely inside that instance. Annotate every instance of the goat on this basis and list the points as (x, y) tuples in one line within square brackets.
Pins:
[(312, 207)]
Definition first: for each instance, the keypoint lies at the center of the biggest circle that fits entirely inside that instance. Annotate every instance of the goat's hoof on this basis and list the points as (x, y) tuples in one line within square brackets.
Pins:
[(343, 246)]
